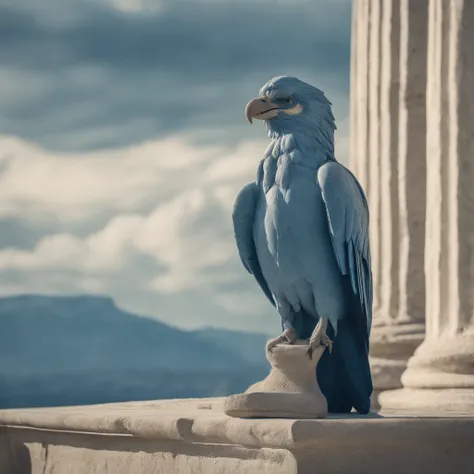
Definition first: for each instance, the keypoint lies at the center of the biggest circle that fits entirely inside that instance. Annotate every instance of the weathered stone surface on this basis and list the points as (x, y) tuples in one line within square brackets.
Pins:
[(195, 436), (441, 373), (289, 391)]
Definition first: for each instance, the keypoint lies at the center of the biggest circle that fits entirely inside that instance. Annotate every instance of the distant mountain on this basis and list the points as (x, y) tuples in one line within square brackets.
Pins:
[(246, 345), (84, 349)]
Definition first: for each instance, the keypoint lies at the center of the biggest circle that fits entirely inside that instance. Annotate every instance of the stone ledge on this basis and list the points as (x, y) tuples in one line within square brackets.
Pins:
[(189, 436)]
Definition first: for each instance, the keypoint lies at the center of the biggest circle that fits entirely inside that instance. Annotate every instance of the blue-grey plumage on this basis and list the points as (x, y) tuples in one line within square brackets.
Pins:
[(302, 230)]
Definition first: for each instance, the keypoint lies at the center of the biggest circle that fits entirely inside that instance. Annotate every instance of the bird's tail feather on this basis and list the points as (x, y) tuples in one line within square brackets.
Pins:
[(344, 375)]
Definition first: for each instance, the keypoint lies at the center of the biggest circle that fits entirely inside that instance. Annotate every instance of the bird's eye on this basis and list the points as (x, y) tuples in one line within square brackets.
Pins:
[(283, 100)]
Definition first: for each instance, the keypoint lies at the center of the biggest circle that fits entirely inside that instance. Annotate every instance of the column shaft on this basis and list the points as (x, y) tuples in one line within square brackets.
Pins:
[(412, 158), (359, 91), (389, 44)]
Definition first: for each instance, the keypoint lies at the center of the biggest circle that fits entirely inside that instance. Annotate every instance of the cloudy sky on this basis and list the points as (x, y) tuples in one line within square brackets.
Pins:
[(123, 143)]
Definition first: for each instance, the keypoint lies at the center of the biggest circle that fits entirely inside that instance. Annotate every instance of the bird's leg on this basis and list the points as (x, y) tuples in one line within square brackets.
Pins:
[(319, 337), (287, 337)]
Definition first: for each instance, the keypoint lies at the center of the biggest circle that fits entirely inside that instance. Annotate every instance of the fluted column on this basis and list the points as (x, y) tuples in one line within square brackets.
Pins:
[(359, 91), (388, 118), (440, 375), (412, 161)]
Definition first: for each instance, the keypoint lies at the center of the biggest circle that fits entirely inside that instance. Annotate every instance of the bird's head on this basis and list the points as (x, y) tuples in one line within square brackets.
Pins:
[(289, 105)]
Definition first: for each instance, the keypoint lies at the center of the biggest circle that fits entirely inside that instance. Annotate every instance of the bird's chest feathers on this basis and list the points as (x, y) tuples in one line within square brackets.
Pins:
[(283, 161), (277, 172), (276, 166), (292, 202)]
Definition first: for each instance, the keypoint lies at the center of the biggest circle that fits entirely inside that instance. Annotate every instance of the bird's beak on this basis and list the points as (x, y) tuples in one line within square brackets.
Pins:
[(260, 109)]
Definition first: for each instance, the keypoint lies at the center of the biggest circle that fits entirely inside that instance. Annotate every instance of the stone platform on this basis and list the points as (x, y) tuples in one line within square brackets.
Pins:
[(195, 436)]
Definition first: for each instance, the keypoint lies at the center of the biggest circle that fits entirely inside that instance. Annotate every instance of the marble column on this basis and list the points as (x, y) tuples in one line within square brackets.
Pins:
[(388, 80), (440, 376)]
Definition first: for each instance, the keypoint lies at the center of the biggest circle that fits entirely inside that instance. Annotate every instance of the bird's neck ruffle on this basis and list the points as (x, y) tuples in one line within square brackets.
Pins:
[(311, 150)]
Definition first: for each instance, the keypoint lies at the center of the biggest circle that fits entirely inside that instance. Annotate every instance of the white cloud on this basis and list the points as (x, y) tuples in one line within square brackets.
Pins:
[(72, 187), (149, 224), (167, 231), (186, 232), (137, 6)]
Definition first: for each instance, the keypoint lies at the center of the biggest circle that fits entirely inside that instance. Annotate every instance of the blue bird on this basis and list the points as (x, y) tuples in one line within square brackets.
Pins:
[(301, 229)]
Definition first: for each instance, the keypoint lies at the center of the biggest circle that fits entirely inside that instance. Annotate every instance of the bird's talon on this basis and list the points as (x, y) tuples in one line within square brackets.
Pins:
[(270, 348), (288, 337), (325, 341), (318, 339)]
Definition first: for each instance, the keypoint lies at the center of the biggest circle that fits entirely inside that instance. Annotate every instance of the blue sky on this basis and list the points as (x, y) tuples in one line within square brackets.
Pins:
[(123, 142)]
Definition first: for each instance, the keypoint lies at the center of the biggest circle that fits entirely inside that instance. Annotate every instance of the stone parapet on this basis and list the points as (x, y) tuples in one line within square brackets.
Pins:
[(195, 436)]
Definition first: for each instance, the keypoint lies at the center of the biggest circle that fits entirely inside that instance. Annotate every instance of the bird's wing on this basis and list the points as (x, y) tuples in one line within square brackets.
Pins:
[(243, 217), (348, 218)]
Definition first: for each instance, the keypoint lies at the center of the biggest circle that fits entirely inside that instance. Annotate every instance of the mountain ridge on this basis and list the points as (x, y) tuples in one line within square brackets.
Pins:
[(74, 350), (35, 329)]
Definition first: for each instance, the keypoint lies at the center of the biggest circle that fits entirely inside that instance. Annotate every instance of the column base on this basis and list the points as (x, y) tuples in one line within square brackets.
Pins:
[(391, 345), (395, 340), (456, 400), (386, 375), (439, 377)]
